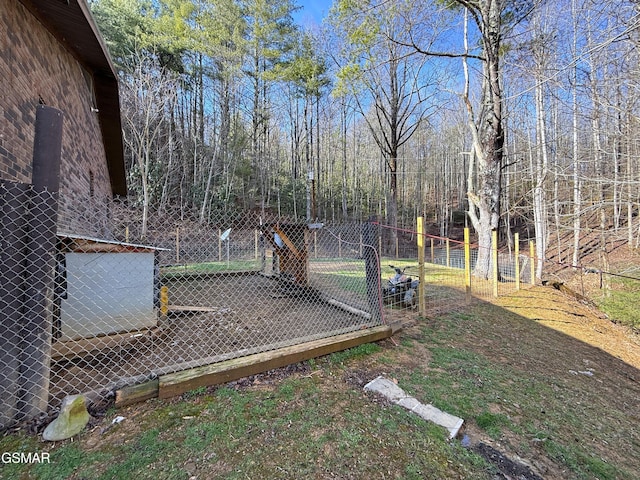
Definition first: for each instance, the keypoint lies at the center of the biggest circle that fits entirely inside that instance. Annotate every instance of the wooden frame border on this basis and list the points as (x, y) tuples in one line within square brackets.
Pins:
[(180, 382)]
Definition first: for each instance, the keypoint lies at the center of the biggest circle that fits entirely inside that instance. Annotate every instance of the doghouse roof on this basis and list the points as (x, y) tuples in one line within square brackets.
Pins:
[(79, 243), (70, 21)]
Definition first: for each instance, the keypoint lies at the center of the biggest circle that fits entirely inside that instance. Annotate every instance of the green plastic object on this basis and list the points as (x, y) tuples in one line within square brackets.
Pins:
[(71, 420)]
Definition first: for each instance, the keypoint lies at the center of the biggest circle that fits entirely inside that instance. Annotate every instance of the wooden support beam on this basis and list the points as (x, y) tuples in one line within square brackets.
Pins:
[(136, 393), (287, 242), (194, 309), (178, 383), (71, 349)]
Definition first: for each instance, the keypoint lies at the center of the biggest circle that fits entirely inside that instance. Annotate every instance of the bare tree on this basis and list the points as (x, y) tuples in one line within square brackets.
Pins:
[(148, 95), (394, 80)]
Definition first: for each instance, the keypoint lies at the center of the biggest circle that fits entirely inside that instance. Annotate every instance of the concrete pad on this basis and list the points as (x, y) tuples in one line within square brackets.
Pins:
[(397, 395), (387, 389), (409, 403)]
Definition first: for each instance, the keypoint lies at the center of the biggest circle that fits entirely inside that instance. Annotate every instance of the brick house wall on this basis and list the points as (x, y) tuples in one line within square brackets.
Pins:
[(36, 68)]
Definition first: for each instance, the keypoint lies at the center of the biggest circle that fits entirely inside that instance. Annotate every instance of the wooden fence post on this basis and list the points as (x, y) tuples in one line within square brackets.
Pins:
[(494, 254), (164, 302), (467, 264), (422, 307), (516, 239)]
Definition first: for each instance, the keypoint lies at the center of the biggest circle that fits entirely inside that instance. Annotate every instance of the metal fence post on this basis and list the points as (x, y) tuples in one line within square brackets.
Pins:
[(255, 243), (532, 261), (448, 253), (372, 269), (433, 252), (178, 245), (41, 250), (14, 198)]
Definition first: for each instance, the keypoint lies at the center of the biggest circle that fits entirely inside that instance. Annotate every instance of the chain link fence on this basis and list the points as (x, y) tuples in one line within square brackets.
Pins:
[(94, 303), (96, 298)]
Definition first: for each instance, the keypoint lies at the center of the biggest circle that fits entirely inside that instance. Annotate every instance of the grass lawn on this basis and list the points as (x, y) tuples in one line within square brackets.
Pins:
[(536, 376), (621, 302)]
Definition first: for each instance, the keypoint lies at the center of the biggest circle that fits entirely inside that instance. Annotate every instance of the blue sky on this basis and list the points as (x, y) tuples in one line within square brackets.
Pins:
[(312, 11)]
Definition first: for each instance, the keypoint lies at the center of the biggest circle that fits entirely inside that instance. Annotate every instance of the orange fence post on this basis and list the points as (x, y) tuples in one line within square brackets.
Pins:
[(164, 301)]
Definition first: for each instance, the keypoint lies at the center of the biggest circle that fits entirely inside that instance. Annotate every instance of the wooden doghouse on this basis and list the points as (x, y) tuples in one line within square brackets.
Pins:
[(104, 287), (290, 244)]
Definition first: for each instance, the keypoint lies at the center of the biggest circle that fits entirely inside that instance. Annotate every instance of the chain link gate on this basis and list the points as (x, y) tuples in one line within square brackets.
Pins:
[(122, 307)]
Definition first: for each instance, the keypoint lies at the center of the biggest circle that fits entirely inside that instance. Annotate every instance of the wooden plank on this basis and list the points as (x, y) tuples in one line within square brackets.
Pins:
[(348, 308), (287, 242), (196, 308), (81, 245), (136, 393), (223, 357), (178, 383), (78, 348)]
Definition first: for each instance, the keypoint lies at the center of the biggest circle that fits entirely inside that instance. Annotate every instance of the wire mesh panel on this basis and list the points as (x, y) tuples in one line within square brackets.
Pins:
[(27, 233), (131, 305), (449, 281)]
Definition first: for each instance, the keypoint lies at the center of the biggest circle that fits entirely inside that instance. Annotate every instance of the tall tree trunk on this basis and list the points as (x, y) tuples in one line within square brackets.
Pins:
[(577, 186), (541, 172), (343, 118), (487, 135)]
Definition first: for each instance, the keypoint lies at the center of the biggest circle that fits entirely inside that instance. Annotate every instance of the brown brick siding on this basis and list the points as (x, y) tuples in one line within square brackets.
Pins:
[(35, 67)]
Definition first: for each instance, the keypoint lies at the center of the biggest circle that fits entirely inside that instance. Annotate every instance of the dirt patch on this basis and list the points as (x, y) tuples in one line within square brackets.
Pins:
[(245, 314), (507, 467)]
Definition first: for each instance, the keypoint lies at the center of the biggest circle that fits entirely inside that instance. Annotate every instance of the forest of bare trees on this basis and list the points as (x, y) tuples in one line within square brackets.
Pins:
[(501, 113)]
